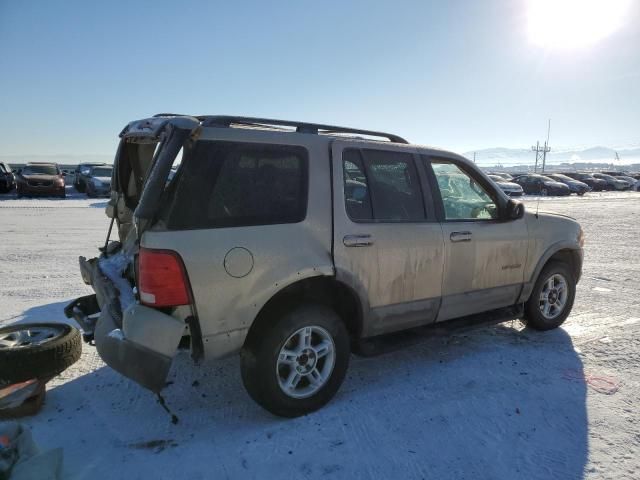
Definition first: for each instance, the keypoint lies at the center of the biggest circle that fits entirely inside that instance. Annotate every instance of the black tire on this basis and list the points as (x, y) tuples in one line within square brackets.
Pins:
[(533, 316), (260, 353), (42, 361)]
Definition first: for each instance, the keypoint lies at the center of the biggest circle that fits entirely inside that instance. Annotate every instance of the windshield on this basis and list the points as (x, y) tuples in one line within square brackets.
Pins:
[(40, 170), (101, 172)]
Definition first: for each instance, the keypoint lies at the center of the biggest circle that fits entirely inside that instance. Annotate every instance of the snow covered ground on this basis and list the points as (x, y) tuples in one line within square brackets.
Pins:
[(498, 402)]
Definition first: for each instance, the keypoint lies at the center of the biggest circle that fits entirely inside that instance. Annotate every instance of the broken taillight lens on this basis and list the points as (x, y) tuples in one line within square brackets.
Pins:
[(162, 278)]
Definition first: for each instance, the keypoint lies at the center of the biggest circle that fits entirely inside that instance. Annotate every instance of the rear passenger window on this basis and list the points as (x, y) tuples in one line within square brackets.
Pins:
[(382, 186), (229, 184), (356, 191)]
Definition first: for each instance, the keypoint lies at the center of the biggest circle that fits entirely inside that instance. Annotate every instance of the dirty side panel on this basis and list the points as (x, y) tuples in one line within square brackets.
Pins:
[(235, 270)]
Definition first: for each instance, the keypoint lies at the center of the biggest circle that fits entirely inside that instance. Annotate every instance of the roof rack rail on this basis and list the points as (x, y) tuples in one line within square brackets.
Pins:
[(301, 127)]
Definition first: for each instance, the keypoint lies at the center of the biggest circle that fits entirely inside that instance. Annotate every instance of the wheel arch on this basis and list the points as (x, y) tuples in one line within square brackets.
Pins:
[(323, 289), (565, 252)]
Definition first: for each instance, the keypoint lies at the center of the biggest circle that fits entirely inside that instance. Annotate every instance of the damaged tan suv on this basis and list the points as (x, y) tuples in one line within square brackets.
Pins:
[(292, 243)]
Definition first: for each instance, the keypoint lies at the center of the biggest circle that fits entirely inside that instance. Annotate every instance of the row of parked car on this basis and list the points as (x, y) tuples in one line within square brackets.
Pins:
[(48, 179), (565, 183)]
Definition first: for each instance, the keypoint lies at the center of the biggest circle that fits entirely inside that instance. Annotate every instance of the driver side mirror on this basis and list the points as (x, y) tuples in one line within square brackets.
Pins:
[(515, 210)]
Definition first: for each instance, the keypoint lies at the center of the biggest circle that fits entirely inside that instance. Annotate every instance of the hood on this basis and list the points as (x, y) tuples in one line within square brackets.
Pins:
[(578, 183), (554, 183), (510, 185), (103, 179)]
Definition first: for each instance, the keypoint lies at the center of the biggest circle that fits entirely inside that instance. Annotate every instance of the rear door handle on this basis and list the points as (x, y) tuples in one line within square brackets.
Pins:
[(364, 240), (460, 236)]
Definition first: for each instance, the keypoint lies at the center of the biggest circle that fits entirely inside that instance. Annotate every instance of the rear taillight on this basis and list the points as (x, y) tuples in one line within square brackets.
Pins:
[(162, 278)]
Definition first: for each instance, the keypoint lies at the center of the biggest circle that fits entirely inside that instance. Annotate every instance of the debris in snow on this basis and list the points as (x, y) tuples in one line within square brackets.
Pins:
[(163, 404), (601, 384), (156, 445), (602, 289), (20, 457)]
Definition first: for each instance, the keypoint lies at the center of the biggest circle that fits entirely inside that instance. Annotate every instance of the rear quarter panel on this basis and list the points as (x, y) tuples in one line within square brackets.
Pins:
[(281, 254)]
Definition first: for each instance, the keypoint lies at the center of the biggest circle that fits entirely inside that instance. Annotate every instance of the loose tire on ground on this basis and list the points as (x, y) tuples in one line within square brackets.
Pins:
[(260, 366), (44, 360), (533, 315)]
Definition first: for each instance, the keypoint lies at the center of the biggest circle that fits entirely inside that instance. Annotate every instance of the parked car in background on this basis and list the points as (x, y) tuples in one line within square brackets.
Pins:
[(576, 186), (535, 184), (81, 173), (98, 181), (40, 179), (612, 182), (596, 184), (7, 178), (206, 263), (633, 183), (510, 188), (504, 176)]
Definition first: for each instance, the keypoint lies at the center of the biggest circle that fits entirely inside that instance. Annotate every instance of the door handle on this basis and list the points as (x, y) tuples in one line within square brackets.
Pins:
[(460, 236), (364, 240)]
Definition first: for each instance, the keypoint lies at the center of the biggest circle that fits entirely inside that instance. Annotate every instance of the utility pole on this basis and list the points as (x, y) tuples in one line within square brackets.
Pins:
[(474, 157), (541, 152), (546, 147)]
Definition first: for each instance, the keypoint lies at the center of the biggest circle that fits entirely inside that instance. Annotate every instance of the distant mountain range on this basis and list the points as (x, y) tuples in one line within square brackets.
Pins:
[(499, 156), (521, 156)]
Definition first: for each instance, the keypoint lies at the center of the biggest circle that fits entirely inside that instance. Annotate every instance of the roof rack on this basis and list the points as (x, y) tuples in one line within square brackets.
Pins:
[(301, 127)]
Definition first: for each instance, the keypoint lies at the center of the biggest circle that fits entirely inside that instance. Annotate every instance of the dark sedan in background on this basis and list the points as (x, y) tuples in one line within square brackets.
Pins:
[(40, 179), (612, 182), (596, 184), (535, 184), (576, 186)]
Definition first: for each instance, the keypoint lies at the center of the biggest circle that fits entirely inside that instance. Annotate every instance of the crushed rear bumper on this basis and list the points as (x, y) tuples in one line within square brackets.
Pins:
[(139, 342)]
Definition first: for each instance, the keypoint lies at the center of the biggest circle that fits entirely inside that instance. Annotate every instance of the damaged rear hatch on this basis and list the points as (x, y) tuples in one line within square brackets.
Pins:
[(136, 340)]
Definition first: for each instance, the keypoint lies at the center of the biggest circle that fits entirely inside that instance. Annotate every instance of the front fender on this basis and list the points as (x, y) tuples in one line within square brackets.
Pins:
[(572, 248)]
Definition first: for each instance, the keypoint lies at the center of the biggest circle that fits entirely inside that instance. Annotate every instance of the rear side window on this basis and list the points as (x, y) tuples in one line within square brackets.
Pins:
[(230, 184), (382, 186)]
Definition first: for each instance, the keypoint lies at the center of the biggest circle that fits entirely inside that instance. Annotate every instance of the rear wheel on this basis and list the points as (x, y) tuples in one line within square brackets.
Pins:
[(296, 364), (552, 298)]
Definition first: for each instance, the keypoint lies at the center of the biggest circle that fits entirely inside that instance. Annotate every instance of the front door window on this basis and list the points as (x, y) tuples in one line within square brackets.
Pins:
[(462, 196)]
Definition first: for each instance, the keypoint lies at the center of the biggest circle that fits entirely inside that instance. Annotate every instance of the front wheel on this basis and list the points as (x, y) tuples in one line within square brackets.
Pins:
[(552, 297), (296, 363)]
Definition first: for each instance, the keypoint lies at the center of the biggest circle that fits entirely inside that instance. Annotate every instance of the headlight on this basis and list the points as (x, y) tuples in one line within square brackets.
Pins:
[(59, 182)]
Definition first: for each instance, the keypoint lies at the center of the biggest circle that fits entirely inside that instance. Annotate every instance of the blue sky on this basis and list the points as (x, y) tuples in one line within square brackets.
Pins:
[(458, 74)]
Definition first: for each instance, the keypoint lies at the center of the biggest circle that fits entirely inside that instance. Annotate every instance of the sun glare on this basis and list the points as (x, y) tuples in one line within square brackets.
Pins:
[(569, 24)]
